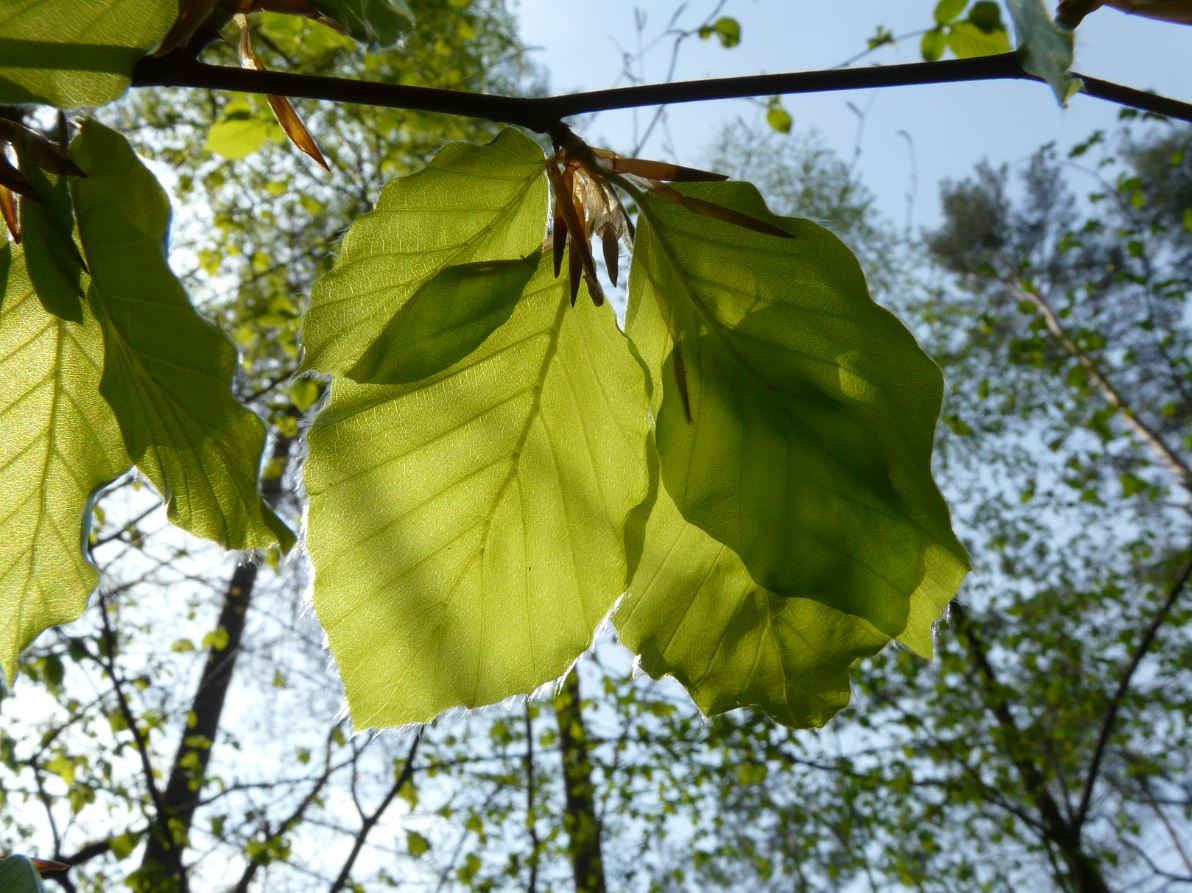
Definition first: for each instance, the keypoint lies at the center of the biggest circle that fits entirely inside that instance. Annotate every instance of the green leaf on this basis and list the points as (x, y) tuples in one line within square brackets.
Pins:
[(987, 16), (445, 320), (377, 23), (1044, 47), (967, 40), (468, 532), (947, 10), (778, 117), (725, 28), (59, 444), (471, 203), (238, 137), (693, 612), (18, 875), (54, 264), (70, 54), (418, 845), (167, 371), (812, 410), (933, 44)]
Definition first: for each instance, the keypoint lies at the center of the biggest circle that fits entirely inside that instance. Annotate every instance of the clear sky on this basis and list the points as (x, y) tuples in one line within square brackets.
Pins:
[(951, 126)]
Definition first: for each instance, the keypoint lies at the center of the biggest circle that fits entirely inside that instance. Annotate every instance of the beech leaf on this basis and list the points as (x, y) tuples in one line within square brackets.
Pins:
[(445, 320), (59, 444), (812, 410), (469, 531), (71, 54), (471, 203), (167, 371)]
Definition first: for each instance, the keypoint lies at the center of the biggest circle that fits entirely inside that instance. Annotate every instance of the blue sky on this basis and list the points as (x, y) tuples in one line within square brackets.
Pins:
[(951, 126)]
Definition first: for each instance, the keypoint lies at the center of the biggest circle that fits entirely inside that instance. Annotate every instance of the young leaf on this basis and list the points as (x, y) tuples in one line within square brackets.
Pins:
[(101, 41), (377, 23), (471, 203), (54, 263), (468, 531), (18, 874), (1045, 47), (693, 612), (167, 372), (808, 447), (59, 444), (778, 117), (967, 40), (947, 10), (445, 320)]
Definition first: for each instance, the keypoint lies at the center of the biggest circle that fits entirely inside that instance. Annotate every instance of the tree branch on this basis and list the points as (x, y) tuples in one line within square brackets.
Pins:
[(542, 113), (1119, 695), (370, 821), (1112, 395)]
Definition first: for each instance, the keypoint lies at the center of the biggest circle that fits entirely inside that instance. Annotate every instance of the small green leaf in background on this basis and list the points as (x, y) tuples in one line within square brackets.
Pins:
[(967, 40), (987, 16), (933, 44), (777, 116), (101, 41), (947, 10), (376, 23), (807, 450), (59, 443), (239, 132), (417, 845), (471, 203), (1045, 47), (468, 531), (445, 320), (167, 371), (18, 875), (726, 28)]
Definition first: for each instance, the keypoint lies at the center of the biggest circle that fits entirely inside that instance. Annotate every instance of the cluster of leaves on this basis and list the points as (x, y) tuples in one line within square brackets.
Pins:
[(484, 482)]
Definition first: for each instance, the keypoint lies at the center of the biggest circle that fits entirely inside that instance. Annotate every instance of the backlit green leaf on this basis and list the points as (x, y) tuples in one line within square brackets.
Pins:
[(947, 10), (72, 54), (417, 845), (445, 320), (812, 410), (471, 203), (694, 612), (1044, 47), (933, 44), (778, 117), (378, 23), (468, 531), (966, 40), (238, 137), (59, 443), (18, 875), (54, 264), (167, 371)]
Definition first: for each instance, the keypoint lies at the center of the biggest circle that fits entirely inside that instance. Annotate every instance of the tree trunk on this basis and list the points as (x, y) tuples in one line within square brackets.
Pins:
[(188, 771), (580, 820)]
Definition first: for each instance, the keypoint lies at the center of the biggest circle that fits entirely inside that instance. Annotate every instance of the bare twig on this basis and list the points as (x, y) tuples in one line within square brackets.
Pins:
[(1115, 703), (543, 113)]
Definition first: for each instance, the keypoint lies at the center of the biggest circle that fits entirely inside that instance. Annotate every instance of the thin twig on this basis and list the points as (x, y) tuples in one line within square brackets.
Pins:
[(542, 113), (1140, 651), (108, 656), (407, 772)]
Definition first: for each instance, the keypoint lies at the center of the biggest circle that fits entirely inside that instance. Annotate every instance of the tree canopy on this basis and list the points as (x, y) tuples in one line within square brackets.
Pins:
[(414, 380)]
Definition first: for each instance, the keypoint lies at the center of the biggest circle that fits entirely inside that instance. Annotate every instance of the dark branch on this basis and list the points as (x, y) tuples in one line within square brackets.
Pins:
[(541, 113), (1145, 641)]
